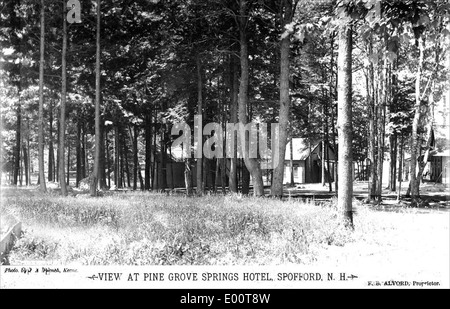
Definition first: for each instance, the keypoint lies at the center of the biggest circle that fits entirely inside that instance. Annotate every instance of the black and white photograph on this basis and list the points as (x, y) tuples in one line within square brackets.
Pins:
[(253, 145)]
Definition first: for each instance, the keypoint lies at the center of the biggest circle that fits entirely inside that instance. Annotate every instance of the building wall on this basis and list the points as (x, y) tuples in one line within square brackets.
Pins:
[(173, 168), (299, 172), (436, 170)]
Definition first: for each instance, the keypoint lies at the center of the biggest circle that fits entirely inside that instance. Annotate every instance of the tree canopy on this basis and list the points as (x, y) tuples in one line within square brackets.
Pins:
[(159, 59)]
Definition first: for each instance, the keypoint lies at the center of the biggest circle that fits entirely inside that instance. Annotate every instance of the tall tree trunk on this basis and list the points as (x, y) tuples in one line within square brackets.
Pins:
[(223, 175), (21, 165), (322, 154), (2, 121), (206, 175), (344, 119), (108, 158), (62, 119), (154, 163), (332, 98), (245, 179), (423, 162), (78, 153), (327, 143), (134, 138), (200, 184), (56, 169), (251, 163), (126, 166), (334, 133), (222, 161), (327, 160), (121, 167), (84, 164), (42, 185), (381, 132), (400, 169), (68, 164), (415, 145), (393, 108), (51, 154), (285, 102), (373, 119), (291, 161), (25, 163), (101, 161), (28, 150), (95, 172), (117, 175), (141, 179), (188, 176), (322, 161), (172, 182), (148, 149), (18, 140), (234, 87), (163, 160), (217, 178), (393, 162), (239, 174)]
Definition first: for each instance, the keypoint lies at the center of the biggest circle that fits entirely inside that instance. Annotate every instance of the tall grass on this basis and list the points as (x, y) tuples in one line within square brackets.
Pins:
[(146, 228)]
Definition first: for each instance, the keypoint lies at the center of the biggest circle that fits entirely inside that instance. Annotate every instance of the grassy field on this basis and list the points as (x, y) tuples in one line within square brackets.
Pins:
[(138, 228)]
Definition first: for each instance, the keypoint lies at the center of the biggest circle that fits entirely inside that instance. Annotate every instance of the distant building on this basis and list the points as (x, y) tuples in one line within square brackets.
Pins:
[(174, 169), (307, 161), (438, 167)]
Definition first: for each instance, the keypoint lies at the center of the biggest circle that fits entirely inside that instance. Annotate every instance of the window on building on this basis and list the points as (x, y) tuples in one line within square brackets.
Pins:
[(295, 170)]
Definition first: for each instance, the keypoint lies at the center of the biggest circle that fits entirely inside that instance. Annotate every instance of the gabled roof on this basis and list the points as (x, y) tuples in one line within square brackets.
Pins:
[(301, 150), (444, 153)]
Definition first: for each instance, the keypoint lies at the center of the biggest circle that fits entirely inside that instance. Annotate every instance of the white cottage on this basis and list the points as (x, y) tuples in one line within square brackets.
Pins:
[(307, 161)]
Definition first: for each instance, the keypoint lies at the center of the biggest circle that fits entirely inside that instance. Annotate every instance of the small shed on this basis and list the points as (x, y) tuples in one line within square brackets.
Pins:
[(439, 166), (307, 161)]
